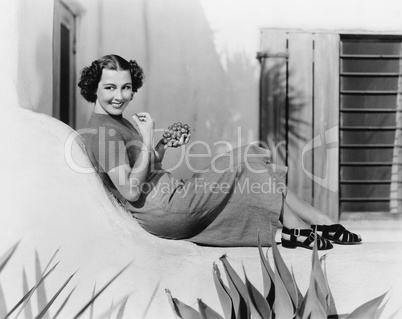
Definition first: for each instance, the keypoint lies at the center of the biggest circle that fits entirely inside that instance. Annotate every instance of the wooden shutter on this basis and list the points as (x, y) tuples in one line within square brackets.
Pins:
[(300, 110)]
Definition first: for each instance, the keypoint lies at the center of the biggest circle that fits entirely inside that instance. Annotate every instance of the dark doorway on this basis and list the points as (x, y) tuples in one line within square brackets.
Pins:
[(64, 64)]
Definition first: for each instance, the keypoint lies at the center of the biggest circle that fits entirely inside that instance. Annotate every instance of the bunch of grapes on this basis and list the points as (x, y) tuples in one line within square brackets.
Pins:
[(174, 132)]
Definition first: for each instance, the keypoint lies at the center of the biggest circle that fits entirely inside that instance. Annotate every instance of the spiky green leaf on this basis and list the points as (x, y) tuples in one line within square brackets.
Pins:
[(321, 288), (285, 275), (299, 294), (312, 307), (41, 290), (41, 314), (151, 299), (51, 260), (114, 305), (331, 306), (236, 285), (267, 276), (110, 310), (7, 255), (25, 289), (283, 306), (91, 308), (258, 304), (207, 312), (3, 307), (223, 294), (180, 309), (120, 312), (63, 304), (25, 299), (368, 309), (99, 292)]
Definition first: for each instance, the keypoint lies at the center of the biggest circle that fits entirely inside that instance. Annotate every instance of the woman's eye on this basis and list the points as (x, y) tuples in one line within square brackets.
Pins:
[(109, 88), (127, 88)]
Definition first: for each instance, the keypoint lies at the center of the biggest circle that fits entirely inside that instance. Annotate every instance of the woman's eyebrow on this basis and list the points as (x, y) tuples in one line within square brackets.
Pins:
[(128, 83)]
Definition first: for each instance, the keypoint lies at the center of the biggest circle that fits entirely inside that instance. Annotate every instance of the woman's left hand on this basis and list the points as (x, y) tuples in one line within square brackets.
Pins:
[(184, 139)]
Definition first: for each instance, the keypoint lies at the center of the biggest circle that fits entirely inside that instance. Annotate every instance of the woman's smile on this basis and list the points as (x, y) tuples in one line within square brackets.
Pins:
[(117, 105)]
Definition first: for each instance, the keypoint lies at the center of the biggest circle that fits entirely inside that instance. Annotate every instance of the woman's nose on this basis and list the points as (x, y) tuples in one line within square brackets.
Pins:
[(118, 95)]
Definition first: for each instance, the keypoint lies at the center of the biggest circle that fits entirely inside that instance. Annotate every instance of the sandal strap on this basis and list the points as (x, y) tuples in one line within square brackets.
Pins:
[(338, 230), (297, 231), (309, 234)]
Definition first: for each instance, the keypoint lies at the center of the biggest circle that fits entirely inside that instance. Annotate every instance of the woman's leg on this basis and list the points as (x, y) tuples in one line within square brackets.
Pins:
[(307, 212), (324, 225), (297, 232), (289, 219)]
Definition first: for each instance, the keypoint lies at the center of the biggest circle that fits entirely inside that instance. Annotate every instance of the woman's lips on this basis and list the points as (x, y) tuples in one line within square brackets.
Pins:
[(117, 105)]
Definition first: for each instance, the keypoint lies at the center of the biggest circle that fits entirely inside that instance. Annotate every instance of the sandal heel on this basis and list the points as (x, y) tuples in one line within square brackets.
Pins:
[(288, 244)]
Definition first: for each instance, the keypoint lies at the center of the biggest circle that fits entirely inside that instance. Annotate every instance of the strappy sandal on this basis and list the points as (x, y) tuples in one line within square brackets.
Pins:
[(337, 233), (308, 234)]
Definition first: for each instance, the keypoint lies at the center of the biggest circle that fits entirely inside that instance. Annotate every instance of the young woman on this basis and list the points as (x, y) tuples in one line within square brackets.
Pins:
[(240, 194)]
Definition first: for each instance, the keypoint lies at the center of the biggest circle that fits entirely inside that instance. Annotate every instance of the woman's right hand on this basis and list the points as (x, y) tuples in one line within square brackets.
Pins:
[(146, 126)]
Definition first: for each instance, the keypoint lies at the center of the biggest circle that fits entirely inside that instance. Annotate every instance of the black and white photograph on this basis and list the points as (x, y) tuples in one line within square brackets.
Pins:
[(201, 159)]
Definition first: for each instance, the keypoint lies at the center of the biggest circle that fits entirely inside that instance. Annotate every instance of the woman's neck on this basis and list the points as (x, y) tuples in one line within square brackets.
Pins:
[(98, 109)]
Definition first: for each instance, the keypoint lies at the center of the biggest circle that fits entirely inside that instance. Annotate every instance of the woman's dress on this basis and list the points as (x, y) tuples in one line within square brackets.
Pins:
[(239, 195)]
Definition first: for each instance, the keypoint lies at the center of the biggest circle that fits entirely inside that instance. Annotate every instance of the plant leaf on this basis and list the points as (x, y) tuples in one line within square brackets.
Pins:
[(258, 304), (206, 312), (285, 275), (7, 255), (41, 314), (110, 310), (120, 313), (311, 306), (321, 287), (28, 309), (91, 308), (28, 296), (331, 307), (150, 300), (299, 294), (63, 304), (368, 309), (100, 291), (223, 294), (267, 276), (41, 290), (180, 309), (3, 307), (237, 287), (396, 313), (51, 259), (283, 306)]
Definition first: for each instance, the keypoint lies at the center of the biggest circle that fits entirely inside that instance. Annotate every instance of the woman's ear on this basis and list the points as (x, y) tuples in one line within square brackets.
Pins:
[(132, 96)]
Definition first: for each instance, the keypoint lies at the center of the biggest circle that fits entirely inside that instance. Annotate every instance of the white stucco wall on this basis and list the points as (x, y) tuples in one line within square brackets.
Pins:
[(35, 57)]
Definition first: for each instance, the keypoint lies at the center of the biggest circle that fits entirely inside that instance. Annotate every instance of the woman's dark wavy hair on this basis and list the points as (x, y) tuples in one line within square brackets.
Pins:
[(91, 75)]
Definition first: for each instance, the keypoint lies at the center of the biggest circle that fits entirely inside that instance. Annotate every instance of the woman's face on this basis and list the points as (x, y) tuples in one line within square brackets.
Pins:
[(114, 92)]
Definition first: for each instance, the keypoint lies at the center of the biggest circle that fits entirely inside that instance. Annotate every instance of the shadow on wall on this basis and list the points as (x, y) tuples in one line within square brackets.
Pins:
[(186, 81), (287, 123), (35, 42), (35, 77)]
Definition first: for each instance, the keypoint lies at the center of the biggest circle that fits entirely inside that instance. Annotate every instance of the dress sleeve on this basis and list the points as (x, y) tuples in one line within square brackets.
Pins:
[(111, 150)]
